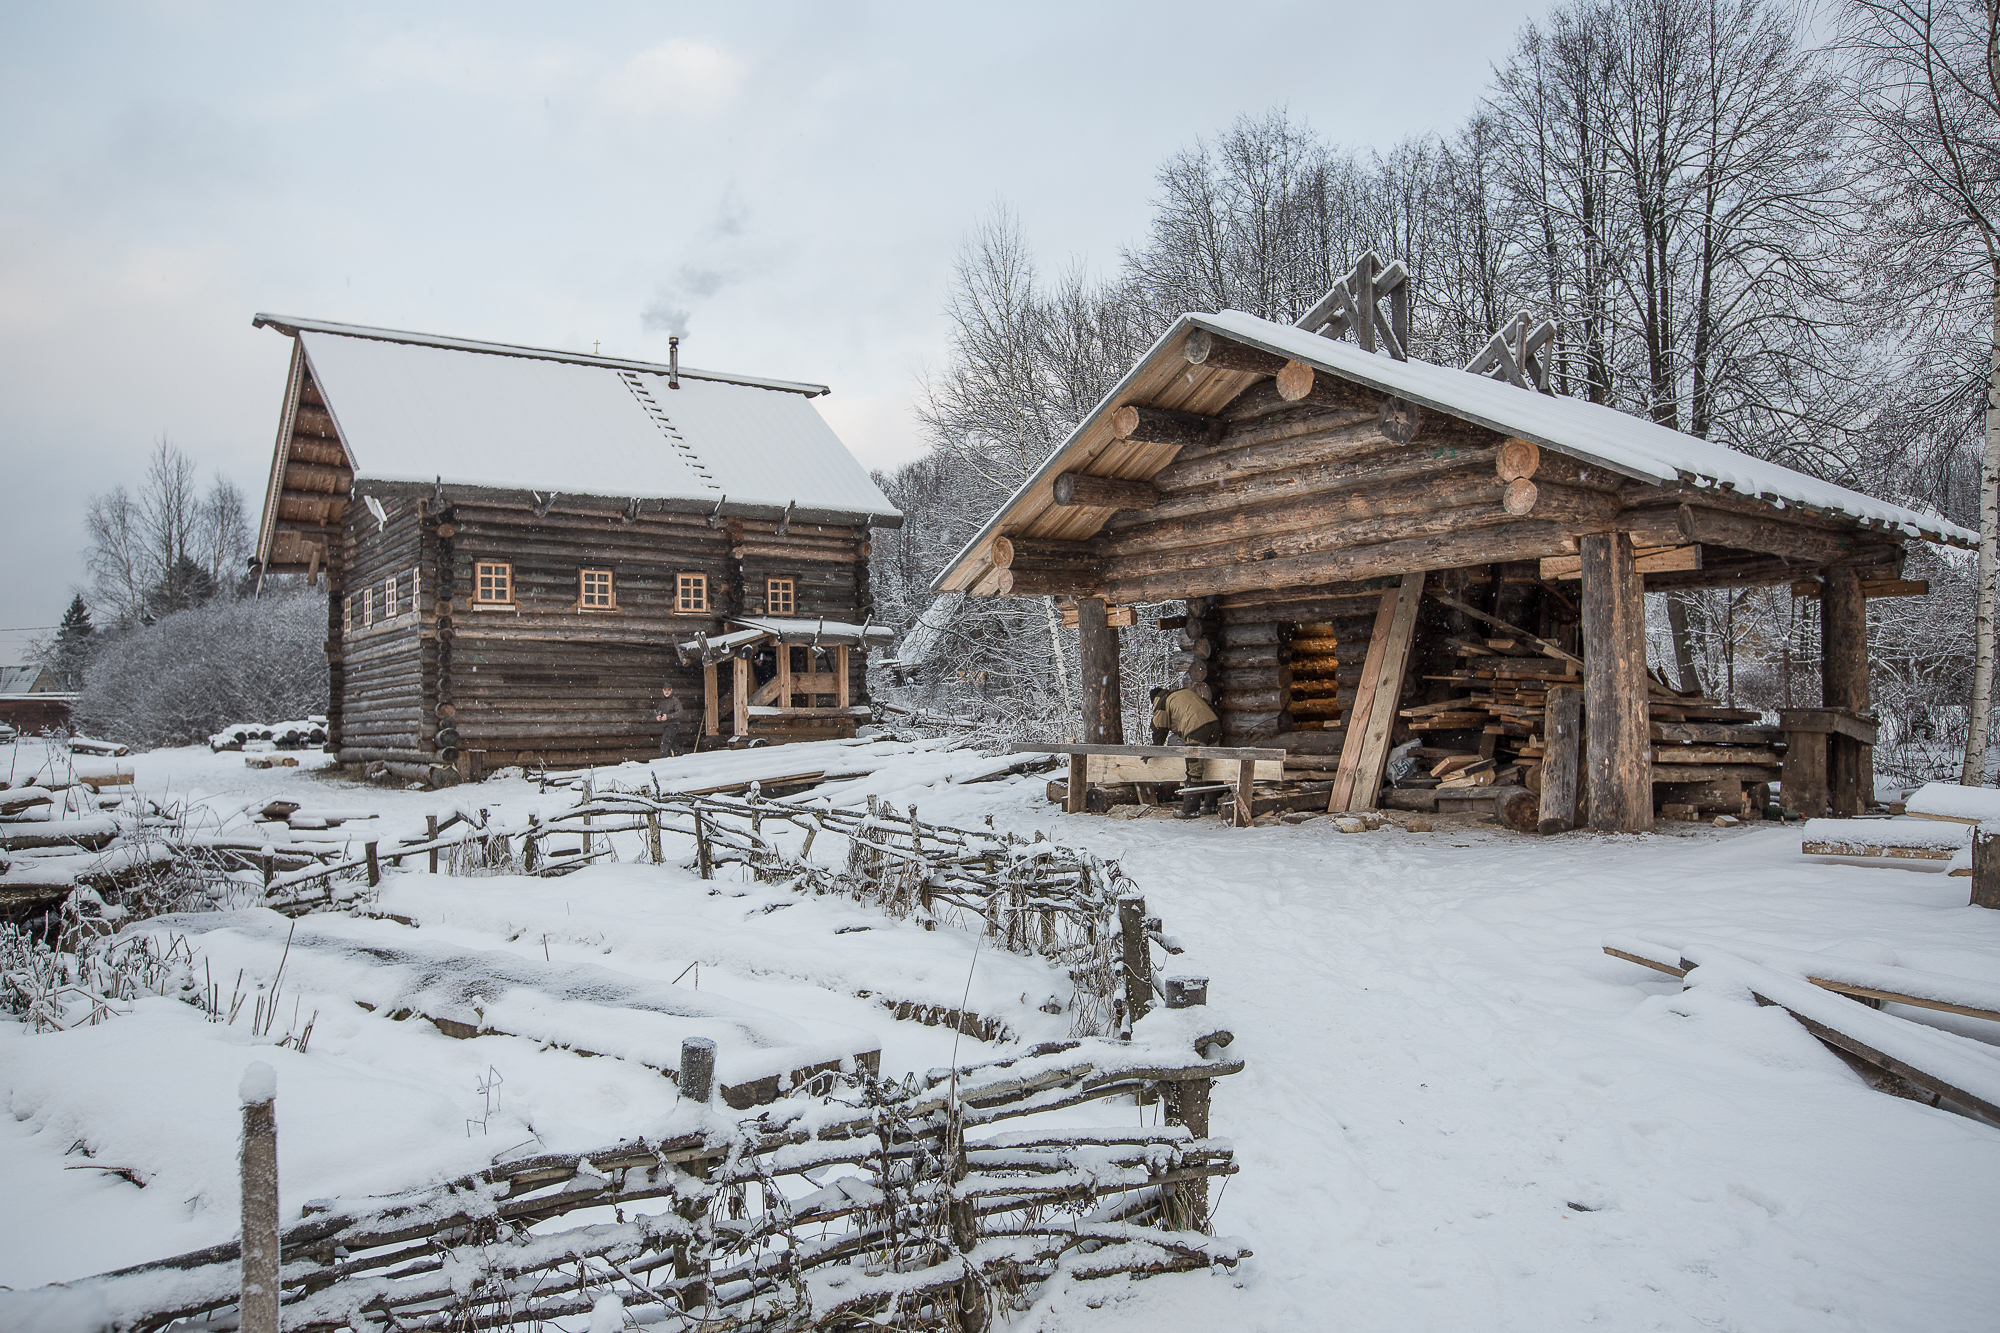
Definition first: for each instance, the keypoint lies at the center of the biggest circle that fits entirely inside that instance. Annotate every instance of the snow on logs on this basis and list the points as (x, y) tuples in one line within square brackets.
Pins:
[(1040, 566)]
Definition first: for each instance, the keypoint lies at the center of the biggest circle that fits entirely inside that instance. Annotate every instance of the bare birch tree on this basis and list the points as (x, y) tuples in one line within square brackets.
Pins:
[(1927, 87)]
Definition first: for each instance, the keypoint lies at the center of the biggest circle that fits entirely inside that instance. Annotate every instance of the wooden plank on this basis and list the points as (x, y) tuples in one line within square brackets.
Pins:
[(1151, 751), (843, 693), (711, 704), (1246, 777), (1374, 756), (1839, 987), (1224, 770), (1103, 768), (1873, 588), (1076, 797), (1985, 869), (1829, 721), (1562, 740), (1861, 846), (1364, 704), (1615, 685), (1648, 560)]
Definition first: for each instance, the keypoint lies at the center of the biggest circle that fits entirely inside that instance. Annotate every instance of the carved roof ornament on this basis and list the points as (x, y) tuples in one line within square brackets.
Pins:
[(1353, 305), (1516, 354)]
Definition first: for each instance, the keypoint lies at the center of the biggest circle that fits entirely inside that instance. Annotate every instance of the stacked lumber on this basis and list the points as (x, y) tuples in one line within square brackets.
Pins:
[(1706, 756)]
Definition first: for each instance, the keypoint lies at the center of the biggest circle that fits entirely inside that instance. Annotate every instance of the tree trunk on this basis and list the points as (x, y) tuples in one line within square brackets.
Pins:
[(1677, 625), (1974, 770)]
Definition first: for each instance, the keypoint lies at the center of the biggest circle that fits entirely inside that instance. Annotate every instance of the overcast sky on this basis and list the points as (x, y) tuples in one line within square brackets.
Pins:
[(788, 181)]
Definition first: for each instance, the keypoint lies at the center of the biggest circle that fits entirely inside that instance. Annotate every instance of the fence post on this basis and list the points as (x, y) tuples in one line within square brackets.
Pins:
[(374, 865), (431, 835), (1187, 1103), (697, 1074), (268, 865), (588, 796), (701, 845), (1138, 957), (1986, 865), (529, 851), (258, 1308), (963, 1216), (653, 835)]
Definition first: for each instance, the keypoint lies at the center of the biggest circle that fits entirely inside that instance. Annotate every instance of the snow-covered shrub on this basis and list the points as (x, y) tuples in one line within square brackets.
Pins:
[(184, 678)]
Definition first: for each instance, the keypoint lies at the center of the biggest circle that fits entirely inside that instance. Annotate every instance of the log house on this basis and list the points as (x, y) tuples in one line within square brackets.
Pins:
[(515, 539), (1342, 520)]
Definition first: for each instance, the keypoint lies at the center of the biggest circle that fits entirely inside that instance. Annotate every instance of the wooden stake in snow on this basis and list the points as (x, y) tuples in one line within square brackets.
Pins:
[(1187, 1103), (259, 1091), (1138, 957), (697, 1076)]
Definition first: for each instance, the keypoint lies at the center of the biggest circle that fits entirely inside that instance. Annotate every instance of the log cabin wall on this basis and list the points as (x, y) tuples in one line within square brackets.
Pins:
[(541, 679), (381, 599)]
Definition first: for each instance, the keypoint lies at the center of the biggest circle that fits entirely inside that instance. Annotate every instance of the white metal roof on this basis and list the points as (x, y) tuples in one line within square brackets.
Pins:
[(1636, 447), (414, 408)]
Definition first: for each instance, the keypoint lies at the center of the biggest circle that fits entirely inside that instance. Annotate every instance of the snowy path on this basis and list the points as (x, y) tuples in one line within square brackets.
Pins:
[(1445, 1072)]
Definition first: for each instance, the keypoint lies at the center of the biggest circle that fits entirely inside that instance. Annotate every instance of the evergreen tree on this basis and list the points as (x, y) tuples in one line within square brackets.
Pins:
[(75, 643)]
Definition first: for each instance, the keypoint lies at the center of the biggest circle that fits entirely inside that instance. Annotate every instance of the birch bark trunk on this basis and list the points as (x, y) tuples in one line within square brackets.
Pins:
[(1974, 770)]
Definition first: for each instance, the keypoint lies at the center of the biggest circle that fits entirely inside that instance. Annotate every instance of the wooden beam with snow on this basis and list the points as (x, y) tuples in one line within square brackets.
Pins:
[(1078, 489)]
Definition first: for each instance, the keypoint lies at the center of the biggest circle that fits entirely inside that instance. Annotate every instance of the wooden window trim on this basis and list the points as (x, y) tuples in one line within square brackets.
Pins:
[(791, 592), (494, 603), (347, 625), (681, 607), (610, 589)]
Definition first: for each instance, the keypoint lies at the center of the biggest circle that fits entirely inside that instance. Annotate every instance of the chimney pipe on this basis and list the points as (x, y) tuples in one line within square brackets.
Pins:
[(674, 362)]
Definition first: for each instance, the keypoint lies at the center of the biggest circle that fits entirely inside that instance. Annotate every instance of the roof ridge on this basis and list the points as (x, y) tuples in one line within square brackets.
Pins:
[(292, 326)]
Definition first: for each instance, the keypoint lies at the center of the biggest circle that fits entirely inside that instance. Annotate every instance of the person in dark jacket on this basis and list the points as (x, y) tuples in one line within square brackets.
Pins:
[(667, 711), (1185, 714)]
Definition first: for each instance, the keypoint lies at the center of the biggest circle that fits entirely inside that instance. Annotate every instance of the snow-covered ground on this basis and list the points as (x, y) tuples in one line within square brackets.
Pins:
[(1457, 1113)]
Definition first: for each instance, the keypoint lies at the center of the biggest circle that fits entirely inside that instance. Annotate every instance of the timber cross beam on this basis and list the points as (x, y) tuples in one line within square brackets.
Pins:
[(1077, 792)]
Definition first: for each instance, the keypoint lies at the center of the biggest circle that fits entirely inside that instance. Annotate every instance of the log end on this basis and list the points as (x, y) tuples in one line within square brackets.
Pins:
[(1123, 422), (1521, 497), (1295, 381), (1518, 460)]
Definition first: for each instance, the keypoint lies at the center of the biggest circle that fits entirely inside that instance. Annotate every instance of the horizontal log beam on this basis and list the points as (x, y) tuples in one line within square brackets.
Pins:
[(1163, 425), (1214, 352), (1451, 549), (1080, 490)]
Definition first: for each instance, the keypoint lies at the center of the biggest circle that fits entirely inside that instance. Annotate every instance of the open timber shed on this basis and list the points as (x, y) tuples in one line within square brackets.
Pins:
[(1345, 523), (516, 540)]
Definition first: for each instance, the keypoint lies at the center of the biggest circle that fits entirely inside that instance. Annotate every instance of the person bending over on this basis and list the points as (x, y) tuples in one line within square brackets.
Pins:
[(1185, 714)]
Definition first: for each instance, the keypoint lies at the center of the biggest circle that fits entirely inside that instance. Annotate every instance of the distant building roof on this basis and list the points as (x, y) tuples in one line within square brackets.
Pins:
[(413, 407), (26, 680)]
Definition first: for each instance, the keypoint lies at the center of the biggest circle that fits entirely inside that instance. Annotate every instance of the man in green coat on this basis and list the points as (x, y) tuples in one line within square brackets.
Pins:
[(1185, 714)]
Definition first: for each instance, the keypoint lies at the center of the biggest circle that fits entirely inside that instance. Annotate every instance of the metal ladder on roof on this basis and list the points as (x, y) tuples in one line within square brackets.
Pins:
[(666, 425)]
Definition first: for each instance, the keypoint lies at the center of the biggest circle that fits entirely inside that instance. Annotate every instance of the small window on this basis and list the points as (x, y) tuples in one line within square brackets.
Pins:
[(493, 582), (347, 613), (779, 599), (691, 594), (594, 591), (390, 607), (368, 616)]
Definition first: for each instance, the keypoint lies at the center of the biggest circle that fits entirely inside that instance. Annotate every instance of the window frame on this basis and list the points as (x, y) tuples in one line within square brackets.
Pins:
[(479, 600), (583, 602), (682, 583), (791, 592)]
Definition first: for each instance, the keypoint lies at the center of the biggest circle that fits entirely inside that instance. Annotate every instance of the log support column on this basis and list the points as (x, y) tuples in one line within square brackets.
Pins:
[(1103, 722), (1614, 686), (1843, 640)]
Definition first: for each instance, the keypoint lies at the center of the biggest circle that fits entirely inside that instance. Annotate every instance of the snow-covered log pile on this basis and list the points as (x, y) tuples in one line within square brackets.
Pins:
[(298, 734)]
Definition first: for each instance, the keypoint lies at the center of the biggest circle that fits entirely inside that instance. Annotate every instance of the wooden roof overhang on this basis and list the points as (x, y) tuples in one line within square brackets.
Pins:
[(444, 490), (312, 474), (1217, 534)]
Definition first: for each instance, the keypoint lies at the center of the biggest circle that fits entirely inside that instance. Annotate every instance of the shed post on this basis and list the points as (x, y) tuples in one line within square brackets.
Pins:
[(1843, 647), (1614, 685), (1103, 723), (711, 710), (741, 698)]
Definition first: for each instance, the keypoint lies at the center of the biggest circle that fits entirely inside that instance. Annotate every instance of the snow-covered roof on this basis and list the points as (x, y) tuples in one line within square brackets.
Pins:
[(413, 408), (1597, 434), (22, 679), (805, 629), (1636, 448)]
